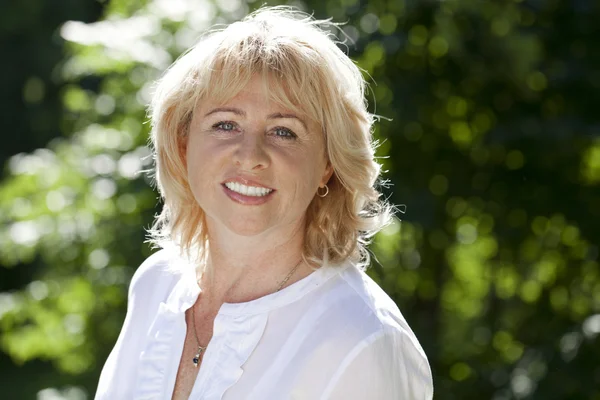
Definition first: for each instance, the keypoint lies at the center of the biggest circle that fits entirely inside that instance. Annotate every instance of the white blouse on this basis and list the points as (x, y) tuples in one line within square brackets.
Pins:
[(334, 334)]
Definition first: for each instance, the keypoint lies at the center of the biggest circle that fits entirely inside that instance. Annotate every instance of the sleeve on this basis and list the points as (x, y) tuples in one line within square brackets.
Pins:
[(118, 374), (388, 365)]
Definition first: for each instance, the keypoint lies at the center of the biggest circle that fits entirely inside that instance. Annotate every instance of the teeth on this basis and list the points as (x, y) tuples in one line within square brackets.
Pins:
[(248, 190)]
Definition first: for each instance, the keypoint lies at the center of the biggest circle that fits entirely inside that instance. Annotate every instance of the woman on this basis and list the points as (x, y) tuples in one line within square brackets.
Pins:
[(266, 167)]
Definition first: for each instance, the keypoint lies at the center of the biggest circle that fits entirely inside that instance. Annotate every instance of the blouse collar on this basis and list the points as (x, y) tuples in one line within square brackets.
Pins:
[(186, 291)]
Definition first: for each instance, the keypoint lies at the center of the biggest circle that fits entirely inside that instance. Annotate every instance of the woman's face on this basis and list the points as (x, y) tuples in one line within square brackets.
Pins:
[(253, 166)]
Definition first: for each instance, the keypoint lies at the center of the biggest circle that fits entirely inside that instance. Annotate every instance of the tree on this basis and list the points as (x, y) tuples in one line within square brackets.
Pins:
[(491, 143)]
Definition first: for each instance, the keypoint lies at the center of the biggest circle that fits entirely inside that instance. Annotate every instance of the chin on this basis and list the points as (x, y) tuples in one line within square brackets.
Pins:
[(248, 228)]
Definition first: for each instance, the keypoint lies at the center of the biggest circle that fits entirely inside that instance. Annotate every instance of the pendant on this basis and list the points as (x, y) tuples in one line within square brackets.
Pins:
[(196, 358)]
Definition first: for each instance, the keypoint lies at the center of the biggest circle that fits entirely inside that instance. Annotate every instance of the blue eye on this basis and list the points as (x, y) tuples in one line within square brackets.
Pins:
[(224, 126), (284, 133)]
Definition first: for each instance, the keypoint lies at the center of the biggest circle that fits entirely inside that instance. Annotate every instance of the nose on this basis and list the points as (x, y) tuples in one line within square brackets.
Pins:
[(251, 154)]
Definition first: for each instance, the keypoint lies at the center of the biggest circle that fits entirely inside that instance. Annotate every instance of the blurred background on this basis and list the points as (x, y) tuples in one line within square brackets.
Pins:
[(491, 142)]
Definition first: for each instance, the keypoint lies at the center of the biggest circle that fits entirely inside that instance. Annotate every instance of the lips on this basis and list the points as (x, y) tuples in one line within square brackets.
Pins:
[(247, 192), (255, 191)]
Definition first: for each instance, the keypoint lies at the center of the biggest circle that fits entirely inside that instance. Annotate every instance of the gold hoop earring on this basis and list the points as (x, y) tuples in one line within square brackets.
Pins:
[(326, 192)]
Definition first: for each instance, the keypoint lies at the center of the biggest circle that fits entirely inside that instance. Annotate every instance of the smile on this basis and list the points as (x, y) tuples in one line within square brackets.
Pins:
[(252, 191)]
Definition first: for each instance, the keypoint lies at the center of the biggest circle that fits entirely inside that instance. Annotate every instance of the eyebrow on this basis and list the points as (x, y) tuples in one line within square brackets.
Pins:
[(236, 111), (242, 113)]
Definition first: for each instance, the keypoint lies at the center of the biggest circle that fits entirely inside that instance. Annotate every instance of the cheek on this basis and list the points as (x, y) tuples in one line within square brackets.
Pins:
[(198, 152), (197, 161), (307, 175), (318, 166)]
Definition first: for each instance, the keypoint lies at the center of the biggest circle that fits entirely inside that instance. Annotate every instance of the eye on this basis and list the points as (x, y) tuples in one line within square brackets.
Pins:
[(284, 133), (226, 126)]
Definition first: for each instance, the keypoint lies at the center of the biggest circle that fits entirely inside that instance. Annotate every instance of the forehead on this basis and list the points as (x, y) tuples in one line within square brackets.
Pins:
[(264, 90), (255, 90)]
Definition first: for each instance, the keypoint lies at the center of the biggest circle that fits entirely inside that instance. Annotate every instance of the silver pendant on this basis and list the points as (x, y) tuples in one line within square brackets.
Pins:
[(196, 358)]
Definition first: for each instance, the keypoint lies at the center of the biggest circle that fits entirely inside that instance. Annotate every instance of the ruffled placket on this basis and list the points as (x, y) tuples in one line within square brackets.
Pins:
[(159, 361), (234, 339)]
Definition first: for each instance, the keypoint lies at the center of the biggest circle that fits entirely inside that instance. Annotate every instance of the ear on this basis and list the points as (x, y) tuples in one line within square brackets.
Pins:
[(183, 136), (327, 174), (182, 144)]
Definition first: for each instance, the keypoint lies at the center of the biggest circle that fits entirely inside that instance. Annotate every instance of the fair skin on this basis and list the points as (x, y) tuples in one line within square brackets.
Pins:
[(253, 167)]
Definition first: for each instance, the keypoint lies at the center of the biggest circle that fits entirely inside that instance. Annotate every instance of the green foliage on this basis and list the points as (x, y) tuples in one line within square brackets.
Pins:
[(492, 146)]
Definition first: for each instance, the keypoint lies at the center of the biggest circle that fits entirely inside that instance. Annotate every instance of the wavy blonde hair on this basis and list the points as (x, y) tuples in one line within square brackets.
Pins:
[(305, 72)]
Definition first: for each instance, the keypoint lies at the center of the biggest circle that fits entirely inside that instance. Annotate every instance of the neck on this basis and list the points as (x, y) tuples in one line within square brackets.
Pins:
[(241, 268)]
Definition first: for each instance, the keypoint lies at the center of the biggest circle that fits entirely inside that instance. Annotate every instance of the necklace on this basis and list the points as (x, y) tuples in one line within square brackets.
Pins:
[(201, 349)]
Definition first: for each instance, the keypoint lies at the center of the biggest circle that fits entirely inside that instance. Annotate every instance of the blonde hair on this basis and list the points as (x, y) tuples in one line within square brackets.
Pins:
[(307, 73)]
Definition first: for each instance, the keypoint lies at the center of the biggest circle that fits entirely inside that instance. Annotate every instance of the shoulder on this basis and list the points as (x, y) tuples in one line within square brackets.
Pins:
[(156, 274), (366, 300), (151, 283), (370, 292), (384, 356), (356, 305)]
